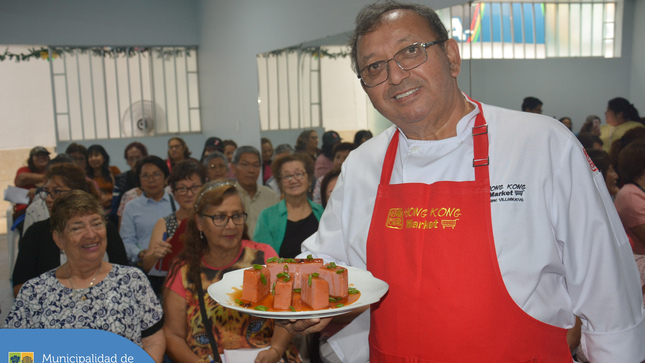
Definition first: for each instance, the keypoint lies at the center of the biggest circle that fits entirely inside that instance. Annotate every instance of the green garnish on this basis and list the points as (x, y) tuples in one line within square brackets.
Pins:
[(273, 289), (309, 281), (292, 309), (332, 264), (258, 267), (281, 274), (315, 274), (263, 279), (331, 299), (353, 291), (239, 302), (340, 305), (310, 257), (291, 260), (272, 259), (261, 307), (286, 279), (340, 271), (281, 260), (296, 290)]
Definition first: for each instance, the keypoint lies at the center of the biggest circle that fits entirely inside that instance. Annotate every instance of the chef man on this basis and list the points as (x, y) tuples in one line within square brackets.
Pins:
[(492, 232)]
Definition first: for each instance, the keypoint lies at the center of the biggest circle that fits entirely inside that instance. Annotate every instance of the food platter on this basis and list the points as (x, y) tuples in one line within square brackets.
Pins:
[(371, 288)]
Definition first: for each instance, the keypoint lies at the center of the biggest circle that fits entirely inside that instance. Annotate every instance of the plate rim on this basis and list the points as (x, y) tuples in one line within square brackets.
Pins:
[(380, 289)]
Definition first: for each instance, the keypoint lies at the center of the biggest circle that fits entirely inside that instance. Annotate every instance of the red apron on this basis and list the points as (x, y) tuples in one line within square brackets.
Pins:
[(433, 244)]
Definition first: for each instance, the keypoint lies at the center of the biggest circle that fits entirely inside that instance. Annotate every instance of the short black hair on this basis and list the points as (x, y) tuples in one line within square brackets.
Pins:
[(530, 103), (184, 170), (150, 159)]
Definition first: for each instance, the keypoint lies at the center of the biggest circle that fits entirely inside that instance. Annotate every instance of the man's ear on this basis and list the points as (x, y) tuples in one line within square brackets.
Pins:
[(454, 58)]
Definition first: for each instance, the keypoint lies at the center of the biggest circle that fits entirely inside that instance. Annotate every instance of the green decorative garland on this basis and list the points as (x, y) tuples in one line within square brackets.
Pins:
[(316, 52), (110, 52)]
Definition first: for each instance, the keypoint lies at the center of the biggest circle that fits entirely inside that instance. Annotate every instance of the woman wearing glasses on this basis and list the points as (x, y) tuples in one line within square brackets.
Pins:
[(177, 151), (284, 226), (186, 179), (38, 252), (142, 213), (197, 328)]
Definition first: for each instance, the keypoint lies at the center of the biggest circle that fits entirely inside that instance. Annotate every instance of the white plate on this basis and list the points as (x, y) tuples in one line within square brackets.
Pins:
[(371, 288)]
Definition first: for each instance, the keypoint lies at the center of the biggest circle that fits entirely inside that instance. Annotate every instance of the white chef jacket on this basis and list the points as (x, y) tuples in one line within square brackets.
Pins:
[(560, 244)]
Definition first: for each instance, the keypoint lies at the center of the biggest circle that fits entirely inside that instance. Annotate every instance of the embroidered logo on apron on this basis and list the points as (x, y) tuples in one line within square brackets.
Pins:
[(423, 218)]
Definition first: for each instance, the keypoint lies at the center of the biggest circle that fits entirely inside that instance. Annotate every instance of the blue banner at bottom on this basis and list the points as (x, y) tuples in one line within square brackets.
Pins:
[(68, 346)]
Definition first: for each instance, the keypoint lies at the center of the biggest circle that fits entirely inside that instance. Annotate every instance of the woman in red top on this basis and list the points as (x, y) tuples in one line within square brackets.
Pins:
[(31, 176)]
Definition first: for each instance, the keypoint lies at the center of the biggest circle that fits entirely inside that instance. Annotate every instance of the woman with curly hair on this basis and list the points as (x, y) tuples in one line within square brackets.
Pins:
[(196, 327)]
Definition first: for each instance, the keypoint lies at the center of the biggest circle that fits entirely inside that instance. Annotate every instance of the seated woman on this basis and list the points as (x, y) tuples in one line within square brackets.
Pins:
[(341, 151), (620, 116), (30, 177), (216, 165), (177, 151), (284, 226), (216, 243), (38, 253), (327, 186), (142, 213), (186, 179), (124, 182), (602, 160), (87, 292), (630, 200), (99, 169)]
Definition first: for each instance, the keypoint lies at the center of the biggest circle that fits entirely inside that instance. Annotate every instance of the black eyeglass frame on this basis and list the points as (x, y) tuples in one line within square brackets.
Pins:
[(184, 190), (212, 217), (423, 46)]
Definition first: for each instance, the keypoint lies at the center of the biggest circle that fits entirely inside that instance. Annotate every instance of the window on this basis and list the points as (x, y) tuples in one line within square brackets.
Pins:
[(535, 30), (107, 93), (303, 87)]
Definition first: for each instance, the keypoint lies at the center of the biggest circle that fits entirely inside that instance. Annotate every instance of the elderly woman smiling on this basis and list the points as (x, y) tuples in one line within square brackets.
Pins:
[(88, 292)]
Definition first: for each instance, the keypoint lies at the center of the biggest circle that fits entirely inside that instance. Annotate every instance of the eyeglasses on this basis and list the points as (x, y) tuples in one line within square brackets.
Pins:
[(54, 193), (221, 220), (298, 176), (184, 190), (407, 59), (155, 175), (248, 166), (174, 147), (217, 166)]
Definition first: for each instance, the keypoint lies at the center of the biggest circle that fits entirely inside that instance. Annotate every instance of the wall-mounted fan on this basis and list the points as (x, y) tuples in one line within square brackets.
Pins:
[(142, 118)]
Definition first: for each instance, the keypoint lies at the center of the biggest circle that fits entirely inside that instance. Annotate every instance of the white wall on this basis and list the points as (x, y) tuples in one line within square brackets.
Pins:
[(637, 90), (26, 103), (231, 33), (568, 87), (89, 23)]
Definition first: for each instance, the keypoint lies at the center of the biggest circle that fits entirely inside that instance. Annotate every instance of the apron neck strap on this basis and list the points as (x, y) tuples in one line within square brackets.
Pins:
[(480, 144), (480, 153)]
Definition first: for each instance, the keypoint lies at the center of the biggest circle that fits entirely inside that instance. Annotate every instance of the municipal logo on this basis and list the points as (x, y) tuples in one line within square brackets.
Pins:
[(21, 357)]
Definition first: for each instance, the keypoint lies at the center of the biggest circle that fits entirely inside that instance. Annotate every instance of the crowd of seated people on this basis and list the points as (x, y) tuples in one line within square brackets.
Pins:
[(162, 216), (165, 218)]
